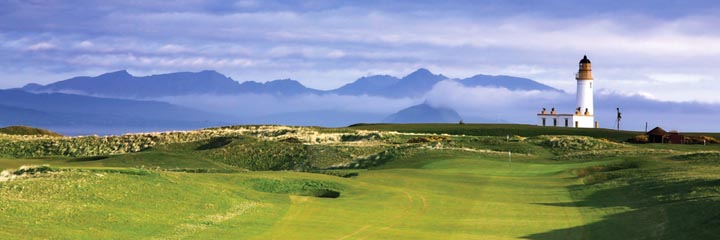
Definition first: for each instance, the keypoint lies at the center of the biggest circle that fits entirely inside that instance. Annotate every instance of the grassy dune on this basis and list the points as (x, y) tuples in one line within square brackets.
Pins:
[(24, 130), (498, 130), (464, 187)]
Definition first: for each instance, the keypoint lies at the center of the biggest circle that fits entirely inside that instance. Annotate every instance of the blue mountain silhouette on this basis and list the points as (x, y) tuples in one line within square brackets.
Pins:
[(424, 113), (122, 84)]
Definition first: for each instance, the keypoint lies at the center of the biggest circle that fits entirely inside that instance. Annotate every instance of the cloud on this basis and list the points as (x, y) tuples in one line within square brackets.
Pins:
[(173, 48), (496, 103), (130, 60), (41, 46)]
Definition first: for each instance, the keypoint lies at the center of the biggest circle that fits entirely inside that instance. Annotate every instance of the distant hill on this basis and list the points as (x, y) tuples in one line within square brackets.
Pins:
[(122, 84), (378, 85), (508, 82), (422, 81), (70, 103), (277, 87), (424, 113), (51, 110), (25, 130), (416, 84)]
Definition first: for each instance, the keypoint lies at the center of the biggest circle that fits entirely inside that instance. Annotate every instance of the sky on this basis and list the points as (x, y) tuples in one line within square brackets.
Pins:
[(663, 50)]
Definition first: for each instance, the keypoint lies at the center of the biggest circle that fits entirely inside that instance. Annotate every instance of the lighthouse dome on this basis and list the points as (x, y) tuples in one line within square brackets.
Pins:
[(585, 59)]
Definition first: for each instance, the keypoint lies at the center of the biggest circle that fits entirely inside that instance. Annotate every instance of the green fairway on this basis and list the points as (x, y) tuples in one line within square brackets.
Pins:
[(461, 188)]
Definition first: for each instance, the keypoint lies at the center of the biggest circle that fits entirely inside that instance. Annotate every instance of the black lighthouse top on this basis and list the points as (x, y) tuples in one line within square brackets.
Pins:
[(585, 60)]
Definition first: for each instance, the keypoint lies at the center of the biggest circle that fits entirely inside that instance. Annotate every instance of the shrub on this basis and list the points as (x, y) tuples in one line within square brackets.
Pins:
[(359, 137), (428, 139), (291, 140), (640, 139), (518, 138), (700, 140), (338, 173)]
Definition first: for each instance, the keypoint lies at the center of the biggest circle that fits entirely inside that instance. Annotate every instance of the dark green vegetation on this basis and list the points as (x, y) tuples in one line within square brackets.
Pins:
[(24, 130), (351, 184), (498, 130)]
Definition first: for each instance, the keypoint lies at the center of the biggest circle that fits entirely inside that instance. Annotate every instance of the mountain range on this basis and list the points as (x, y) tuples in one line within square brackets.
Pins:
[(119, 102), (121, 84)]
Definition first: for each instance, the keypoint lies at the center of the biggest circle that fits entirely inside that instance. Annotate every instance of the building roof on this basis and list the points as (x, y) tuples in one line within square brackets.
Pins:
[(585, 60), (657, 131)]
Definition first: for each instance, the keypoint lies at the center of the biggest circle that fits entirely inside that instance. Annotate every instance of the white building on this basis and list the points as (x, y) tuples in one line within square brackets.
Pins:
[(583, 116)]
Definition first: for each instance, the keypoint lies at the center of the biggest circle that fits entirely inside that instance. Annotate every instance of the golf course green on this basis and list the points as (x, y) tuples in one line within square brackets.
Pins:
[(406, 183)]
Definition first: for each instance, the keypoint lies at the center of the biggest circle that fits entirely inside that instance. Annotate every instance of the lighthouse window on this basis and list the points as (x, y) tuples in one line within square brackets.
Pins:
[(590, 85)]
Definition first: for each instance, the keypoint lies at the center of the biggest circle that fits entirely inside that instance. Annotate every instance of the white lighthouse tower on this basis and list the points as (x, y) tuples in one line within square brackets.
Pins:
[(584, 110)]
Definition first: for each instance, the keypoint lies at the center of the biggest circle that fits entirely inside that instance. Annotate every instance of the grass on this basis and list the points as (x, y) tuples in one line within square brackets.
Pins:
[(25, 130), (501, 130), (462, 187)]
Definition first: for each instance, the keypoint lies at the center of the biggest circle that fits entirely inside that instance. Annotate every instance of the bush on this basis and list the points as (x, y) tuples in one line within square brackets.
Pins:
[(359, 137), (700, 140), (291, 140), (428, 139), (640, 139), (338, 173)]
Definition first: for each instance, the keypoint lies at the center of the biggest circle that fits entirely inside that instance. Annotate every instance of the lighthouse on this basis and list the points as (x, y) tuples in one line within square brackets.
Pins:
[(584, 80), (584, 112)]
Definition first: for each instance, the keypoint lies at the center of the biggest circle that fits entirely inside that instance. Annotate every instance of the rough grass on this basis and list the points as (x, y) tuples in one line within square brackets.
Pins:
[(24, 172), (570, 144), (82, 204), (25, 130), (704, 155), (603, 173), (501, 130), (699, 157)]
